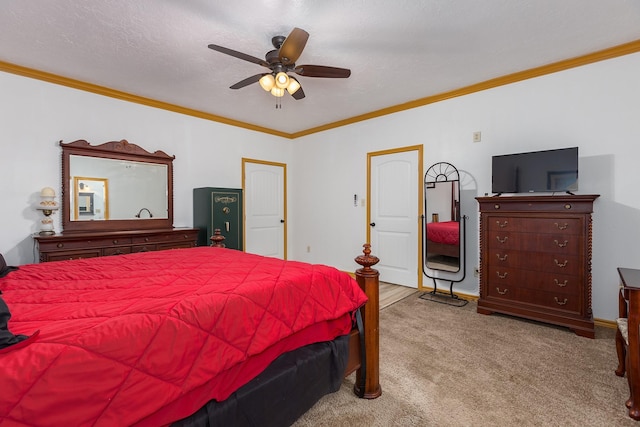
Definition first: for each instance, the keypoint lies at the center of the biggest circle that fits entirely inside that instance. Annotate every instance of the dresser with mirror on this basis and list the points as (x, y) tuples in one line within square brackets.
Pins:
[(117, 198)]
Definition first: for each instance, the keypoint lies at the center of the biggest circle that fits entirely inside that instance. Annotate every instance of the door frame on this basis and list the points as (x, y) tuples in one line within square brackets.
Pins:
[(419, 149), (284, 198)]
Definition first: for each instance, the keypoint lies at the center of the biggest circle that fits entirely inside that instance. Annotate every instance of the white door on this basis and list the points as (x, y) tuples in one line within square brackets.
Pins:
[(264, 185), (394, 214)]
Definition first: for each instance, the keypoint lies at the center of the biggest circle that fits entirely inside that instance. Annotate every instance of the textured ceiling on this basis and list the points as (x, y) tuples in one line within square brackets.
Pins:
[(398, 50)]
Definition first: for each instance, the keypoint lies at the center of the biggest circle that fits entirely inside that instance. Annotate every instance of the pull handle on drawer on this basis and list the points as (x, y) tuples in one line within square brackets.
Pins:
[(561, 264), (560, 302), (502, 258), (562, 226), (561, 284), (559, 244), (502, 240), (502, 224), (502, 292), (502, 276)]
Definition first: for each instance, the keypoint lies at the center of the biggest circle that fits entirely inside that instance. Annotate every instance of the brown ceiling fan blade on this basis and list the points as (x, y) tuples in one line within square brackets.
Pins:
[(239, 55), (247, 81), (293, 46), (322, 71)]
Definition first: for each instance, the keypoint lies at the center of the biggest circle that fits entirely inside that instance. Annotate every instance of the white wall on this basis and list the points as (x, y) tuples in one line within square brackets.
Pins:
[(595, 107), (35, 115)]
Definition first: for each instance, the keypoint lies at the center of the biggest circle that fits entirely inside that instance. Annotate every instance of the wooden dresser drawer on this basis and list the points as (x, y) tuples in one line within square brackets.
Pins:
[(569, 226), (65, 255), (118, 250), (84, 243), (534, 242), (551, 300)]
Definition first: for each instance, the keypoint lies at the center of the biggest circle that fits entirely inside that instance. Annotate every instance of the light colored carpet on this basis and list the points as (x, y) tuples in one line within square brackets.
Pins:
[(449, 366)]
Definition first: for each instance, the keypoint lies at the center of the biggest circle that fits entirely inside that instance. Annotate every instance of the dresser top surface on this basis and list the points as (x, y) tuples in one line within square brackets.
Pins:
[(630, 277)]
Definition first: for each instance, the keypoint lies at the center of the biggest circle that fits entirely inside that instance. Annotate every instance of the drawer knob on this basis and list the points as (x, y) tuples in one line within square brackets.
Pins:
[(60, 245), (502, 276), (503, 239), (115, 242), (146, 239), (562, 226), (563, 302), (502, 224), (562, 245), (496, 206), (561, 264), (502, 258), (502, 292), (185, 236), (561, 284), (567, 206)]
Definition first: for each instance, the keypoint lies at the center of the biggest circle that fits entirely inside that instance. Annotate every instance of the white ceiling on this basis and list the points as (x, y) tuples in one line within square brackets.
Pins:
[(398, 50)]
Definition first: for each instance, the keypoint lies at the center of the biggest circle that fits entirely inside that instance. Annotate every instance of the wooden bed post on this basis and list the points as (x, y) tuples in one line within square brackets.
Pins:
[(368, 279)]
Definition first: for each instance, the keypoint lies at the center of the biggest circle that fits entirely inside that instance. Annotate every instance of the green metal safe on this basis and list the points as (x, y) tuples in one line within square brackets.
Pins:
[(218, 208)]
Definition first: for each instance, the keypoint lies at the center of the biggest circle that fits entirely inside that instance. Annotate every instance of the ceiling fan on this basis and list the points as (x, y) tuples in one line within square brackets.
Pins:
[(282, 61)]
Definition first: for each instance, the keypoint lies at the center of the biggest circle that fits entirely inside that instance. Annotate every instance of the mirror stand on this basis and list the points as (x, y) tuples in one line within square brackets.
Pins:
[(443, 236)]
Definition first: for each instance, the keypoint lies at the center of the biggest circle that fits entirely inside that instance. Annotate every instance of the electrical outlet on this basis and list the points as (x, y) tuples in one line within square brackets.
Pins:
[(477, 136)]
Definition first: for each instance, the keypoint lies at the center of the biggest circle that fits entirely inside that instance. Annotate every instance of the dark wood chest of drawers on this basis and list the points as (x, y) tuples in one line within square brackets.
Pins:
[(96, 244), (535, 259)]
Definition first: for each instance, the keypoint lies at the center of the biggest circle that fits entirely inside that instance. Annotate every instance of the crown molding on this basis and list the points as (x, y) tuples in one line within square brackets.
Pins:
[(613, 52)]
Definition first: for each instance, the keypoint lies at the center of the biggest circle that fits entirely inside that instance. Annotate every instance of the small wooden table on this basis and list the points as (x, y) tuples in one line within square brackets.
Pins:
[(630, 284)]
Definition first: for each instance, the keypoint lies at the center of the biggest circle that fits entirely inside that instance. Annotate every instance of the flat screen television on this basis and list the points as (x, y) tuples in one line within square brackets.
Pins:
[(537, 171)]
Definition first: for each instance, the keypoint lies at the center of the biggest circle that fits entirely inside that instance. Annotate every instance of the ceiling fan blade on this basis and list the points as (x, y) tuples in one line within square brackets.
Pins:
[(299, 94), (322, 71), (239, 55), (293, 46), (247, 81)]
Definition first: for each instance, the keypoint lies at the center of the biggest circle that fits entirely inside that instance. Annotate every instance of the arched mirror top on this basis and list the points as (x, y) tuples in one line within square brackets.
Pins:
[(441, 172), (115, 186), (444, 243)]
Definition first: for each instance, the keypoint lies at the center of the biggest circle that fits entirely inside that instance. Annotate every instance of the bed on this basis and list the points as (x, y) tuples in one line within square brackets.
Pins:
[(154, 338)]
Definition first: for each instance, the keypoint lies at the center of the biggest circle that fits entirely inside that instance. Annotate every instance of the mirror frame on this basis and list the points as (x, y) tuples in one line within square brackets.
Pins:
[(443, 172), (115, 150)]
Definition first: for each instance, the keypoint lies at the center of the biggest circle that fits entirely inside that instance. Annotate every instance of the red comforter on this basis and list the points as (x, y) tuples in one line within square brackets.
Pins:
[(447, 232), (149, 338)]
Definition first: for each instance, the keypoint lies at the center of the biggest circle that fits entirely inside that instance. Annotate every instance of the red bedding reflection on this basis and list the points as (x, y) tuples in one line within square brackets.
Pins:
[(447, 232), (146, 339)]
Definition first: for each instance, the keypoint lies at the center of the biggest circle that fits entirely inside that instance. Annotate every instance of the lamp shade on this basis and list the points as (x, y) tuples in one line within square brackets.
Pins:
[(48, 192), (293, 87), (267, 82), (282, 80), (277, 92)]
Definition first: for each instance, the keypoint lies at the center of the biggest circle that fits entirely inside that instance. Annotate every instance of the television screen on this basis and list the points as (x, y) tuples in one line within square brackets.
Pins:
[(538, 171)]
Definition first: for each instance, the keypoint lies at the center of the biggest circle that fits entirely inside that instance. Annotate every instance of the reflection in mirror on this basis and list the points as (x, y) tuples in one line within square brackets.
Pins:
[(443, 246), (132, 186), (90, 198)]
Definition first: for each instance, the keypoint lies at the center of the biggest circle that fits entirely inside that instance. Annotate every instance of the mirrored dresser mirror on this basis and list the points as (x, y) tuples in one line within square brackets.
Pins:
[(115, 186), (117, 198)]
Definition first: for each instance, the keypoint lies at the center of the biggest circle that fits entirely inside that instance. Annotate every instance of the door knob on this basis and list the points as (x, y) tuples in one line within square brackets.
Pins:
[(373, 224), (282, 221)]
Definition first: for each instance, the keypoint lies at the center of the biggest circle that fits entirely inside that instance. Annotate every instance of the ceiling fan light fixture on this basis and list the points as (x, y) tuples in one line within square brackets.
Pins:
[(282, 80), (277, 92), (293, 86), (267, 82)]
